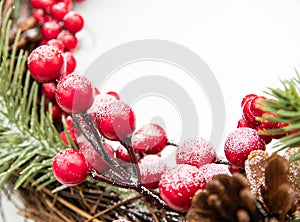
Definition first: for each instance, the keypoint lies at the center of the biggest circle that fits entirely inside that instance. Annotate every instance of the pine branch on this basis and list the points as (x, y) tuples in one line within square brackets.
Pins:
[(28, 138), (286, 105)]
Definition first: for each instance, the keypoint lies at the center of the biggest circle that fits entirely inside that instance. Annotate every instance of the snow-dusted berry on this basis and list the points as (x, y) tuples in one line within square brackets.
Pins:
[(74, 93), (150, 138), (240, 143), (195, 151)]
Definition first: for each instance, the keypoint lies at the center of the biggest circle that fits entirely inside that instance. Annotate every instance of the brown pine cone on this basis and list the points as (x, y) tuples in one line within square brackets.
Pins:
[(231, 198)]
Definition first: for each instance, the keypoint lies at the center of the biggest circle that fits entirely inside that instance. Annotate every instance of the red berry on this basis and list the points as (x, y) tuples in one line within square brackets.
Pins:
[(63, 137), (150, 138), (151, 169), (94, 159), (178, 185), (50, 30), (240, 143), (211, 169), (73, 22), (43, 4), (68, 39), (196, 151), (71, 131), (267, 139), (45, 63), (38, 15), (243, 123), (266, 124), (256, 105), (248, 97), (57, 43), (70, 167), (114, 94), (115, 120), (101, 102), (248, 115), (69, 3), (280, 126), (122, 154), (48, 90), (59, 10), (74, 94), (70, 62)]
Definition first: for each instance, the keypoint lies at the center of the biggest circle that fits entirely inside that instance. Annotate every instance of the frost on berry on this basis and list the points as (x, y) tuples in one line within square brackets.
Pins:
[(70, 167), (240, 143), (211, 169), (115, 119), (74, 94), (151, 168), (45, 63), (122, 154), (150, 138), (94, 159), (179, 184), (195, 151)]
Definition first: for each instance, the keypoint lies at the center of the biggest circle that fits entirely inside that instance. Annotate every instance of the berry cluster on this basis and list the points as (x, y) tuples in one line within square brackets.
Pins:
[(254, 117), (59, 25), (95, 118)]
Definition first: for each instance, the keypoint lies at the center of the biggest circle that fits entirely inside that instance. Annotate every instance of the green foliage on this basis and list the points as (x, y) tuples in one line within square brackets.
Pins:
[(28, 138), (287, 107)]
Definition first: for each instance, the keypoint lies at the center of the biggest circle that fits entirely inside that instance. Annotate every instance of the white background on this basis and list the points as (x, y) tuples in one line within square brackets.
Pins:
[(248, 45)]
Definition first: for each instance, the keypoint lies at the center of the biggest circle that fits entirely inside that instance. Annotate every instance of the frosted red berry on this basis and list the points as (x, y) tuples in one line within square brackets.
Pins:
[(59, 10), (240, 143), (50, 30), (70, 167), (94, 159), (115, 120), (74, 94), (178, 185), (48, 90), (151, 168), (122, 154), (73, 22), (68, 39), (211, 169), (150, 138), (195, 151), (56, 43), (45, 63)]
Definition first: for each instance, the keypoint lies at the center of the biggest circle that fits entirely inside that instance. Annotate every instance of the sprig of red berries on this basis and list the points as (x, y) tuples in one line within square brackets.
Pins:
[(95, 118)]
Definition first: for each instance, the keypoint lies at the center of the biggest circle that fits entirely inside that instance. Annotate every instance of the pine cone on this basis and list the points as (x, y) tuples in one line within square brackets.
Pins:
[(226, 198), (267, 197)]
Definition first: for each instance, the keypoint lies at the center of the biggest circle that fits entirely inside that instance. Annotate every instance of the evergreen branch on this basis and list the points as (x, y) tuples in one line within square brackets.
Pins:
[(28, 138), (286, 106)]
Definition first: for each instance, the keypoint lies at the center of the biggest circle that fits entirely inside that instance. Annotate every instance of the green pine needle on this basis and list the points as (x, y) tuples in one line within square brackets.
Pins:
[(287, 107), (28, 138)]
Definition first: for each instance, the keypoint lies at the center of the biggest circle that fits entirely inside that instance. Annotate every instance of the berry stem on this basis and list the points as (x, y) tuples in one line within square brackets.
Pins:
[(152, 198), (96, 140), (134, 162), (169, 143)]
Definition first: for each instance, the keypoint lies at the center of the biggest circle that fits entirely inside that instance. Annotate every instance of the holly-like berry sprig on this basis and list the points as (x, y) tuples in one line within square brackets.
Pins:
[(96, 118)]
